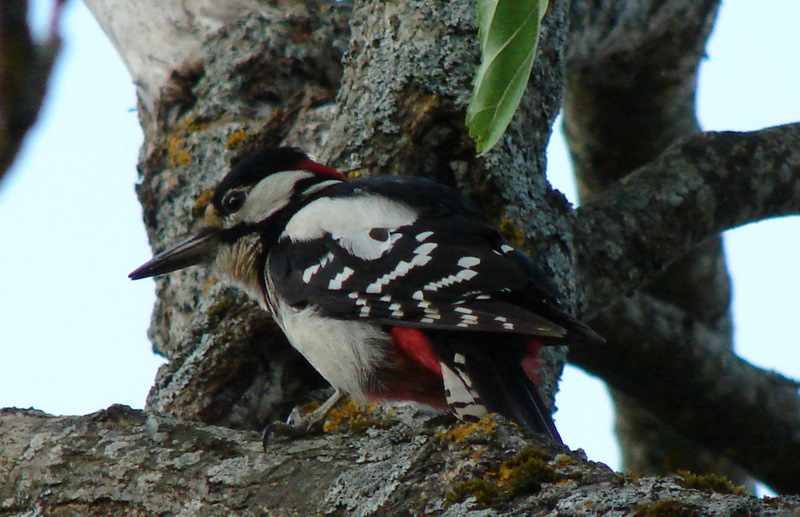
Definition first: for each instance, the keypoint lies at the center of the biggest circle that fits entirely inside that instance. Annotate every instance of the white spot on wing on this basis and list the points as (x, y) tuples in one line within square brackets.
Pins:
[(361, 245), (466, 262), (466, 274), (421, 257), (310, 271), (336, 282)]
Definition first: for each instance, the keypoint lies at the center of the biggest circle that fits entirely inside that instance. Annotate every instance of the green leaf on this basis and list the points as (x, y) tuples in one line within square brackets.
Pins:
[(508, 31)]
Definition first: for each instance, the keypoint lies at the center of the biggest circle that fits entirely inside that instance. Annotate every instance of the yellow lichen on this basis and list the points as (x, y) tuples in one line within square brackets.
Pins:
[(201, 203), (236, 138), (176, 153), (511, 232), (459, 433), (356, 418)]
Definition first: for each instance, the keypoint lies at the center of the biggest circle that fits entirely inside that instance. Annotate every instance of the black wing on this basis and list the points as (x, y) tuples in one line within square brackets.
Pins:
[(446, 270)]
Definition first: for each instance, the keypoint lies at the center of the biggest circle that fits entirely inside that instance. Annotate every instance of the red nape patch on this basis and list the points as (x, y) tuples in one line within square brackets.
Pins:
[(414, 343), (530, 363), (318, 168)]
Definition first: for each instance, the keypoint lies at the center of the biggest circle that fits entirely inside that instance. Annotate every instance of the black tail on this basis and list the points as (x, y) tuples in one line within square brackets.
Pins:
[(493, 373), (507, 390)]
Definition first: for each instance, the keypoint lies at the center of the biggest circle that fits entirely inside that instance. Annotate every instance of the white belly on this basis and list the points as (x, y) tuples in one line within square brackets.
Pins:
[(346, 353)]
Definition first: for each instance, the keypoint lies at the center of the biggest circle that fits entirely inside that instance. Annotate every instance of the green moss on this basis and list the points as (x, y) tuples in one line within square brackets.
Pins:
[(525, 473), (709, 483), (667, 508), (217, 313), (361, 426), (484, 492), (777, 503), (511, 232), (624, 478)]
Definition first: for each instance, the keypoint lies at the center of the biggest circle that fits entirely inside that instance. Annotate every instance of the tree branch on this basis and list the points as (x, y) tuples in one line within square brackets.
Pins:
[(25, 68), (120, 461), (699, 188), (631, 92), (686, 376)]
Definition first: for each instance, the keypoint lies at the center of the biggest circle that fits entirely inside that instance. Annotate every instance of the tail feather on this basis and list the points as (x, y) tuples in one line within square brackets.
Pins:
[(507, 390), (477, 386), (461, 395)]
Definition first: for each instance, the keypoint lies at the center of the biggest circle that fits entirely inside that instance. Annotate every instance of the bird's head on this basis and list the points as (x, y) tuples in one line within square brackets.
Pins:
[(250, 206)]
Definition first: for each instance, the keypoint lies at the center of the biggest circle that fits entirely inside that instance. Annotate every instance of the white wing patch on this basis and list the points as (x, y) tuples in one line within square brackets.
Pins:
[(347, 218), (366, 245)]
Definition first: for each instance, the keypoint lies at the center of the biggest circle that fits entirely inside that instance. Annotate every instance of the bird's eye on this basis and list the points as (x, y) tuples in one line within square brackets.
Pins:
[(233, 201)]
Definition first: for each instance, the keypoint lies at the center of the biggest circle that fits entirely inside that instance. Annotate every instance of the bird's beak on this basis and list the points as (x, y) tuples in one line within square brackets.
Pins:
[(197, 249)]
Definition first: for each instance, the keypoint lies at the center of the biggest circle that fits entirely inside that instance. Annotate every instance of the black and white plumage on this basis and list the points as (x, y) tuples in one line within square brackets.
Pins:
[(394, 288)]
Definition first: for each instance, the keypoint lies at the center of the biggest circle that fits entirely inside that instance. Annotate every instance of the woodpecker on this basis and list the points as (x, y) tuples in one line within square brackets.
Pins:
[(393, 288)]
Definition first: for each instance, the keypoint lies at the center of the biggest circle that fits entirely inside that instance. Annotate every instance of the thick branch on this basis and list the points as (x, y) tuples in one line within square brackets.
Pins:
[(631, 93), (120, 461), (703, 186), (161, 41), (686, 376)]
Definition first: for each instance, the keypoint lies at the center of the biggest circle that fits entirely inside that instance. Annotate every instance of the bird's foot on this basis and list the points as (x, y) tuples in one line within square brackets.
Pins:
[(300, 423)]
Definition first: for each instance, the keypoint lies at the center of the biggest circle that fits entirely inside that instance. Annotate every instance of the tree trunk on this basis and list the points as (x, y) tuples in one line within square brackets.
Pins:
[(381, 87)]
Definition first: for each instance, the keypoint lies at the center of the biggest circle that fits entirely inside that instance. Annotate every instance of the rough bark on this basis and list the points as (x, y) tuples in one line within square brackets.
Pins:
[(124, 462), (631, 233), (381, 87), (266, 80), (749, 415), (631, 93)]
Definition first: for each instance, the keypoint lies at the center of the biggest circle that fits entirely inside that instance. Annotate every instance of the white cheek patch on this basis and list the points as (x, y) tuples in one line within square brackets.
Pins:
[(268, 196)]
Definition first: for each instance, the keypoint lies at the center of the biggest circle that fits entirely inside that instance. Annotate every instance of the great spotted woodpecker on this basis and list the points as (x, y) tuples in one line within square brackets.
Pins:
[(393, 288)]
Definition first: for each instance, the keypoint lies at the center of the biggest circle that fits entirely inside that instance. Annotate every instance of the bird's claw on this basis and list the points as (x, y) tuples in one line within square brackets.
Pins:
[(299, 423)]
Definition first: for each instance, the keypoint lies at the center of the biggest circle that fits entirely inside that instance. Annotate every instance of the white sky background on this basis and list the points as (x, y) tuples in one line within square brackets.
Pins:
[(73, 327)]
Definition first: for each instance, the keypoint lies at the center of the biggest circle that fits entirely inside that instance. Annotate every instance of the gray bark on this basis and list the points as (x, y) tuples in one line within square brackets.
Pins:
[(381, 87), (124, 462), (631, 93)]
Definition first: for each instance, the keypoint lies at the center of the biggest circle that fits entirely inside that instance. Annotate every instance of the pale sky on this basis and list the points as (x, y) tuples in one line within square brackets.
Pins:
[(73, 327)]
